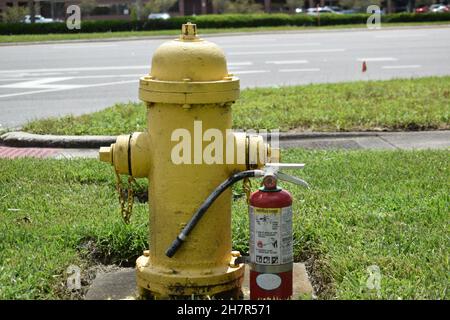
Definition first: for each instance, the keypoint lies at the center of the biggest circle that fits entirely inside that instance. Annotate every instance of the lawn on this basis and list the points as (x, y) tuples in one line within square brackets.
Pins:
[(364, 208), (137, 34), (401, 104)]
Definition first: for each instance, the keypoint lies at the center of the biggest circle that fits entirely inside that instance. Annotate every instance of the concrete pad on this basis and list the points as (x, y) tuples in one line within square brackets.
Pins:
[(116, 285), (121, 284)]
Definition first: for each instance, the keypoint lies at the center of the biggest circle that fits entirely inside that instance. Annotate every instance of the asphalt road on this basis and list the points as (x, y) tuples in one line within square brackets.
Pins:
[(73, 78)]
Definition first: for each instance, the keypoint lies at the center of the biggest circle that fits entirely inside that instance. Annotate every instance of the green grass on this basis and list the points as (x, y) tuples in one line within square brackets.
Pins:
[(404, 104), (385, 208), (127, 34)]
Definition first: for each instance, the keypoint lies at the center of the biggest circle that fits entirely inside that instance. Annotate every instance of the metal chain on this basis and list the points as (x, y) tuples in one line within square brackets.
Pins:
[(126, 197), (247, 187)]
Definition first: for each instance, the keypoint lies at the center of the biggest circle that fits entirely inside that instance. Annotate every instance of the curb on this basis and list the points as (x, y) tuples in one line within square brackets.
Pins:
[(30, 140), (23, 139), (219, 34)]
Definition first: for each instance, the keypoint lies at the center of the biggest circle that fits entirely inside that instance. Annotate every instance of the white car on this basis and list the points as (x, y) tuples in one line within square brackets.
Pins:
[(321, 10), (163, 16), (38, 19), (439, 8)]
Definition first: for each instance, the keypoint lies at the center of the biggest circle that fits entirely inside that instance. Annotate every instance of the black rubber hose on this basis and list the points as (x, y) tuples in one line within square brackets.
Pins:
[(204, 207)]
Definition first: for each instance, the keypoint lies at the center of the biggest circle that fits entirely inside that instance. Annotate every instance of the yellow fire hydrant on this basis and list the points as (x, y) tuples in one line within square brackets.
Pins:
[(188, 94)]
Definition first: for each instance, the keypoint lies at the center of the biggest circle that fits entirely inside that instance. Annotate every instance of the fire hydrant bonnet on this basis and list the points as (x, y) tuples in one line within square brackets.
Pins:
[(189, 70), (195, 60)]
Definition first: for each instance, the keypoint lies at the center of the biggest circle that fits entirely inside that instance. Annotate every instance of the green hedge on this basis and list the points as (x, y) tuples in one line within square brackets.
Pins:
[(215, 21)]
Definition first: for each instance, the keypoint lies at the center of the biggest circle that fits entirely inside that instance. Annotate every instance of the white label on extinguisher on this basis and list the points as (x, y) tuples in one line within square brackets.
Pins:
[(268, 281), (271, 235)]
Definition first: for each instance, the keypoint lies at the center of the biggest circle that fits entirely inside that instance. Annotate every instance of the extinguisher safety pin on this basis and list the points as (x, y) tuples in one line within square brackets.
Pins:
[(274, 169)]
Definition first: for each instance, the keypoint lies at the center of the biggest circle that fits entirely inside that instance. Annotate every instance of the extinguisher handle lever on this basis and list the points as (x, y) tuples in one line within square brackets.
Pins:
[(292, 179)]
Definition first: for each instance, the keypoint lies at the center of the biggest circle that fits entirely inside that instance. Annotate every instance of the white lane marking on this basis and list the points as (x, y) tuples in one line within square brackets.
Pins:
[(245, 63), (137, 76), (147, 67), (300, 70), (286, 51), (44, 83), (67, 88), (255, 38), (15, 79), (272, 45), (410, 66), (400, 36), (287, 62), (234, 68), (78, 46), (251, 71), (377, 59), (83, 77)]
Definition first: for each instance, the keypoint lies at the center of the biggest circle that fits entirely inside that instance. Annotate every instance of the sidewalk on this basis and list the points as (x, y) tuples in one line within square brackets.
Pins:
[(20, 144)]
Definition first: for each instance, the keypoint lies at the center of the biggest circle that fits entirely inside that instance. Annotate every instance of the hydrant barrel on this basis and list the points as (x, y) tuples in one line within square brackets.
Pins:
[(188, 92), (185, 155)]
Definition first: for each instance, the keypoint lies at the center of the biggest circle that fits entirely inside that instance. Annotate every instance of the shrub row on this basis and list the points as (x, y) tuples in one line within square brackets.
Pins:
[(214, 21)]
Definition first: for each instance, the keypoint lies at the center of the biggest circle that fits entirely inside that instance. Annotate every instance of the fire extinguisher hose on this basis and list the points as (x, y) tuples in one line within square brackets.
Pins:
[(205, 206)]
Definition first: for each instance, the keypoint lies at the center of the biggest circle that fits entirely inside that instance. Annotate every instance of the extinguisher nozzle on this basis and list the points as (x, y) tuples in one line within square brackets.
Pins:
[(174, 247)]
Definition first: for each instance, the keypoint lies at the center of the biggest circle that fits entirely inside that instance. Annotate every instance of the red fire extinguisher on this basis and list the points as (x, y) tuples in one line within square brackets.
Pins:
[(271, 253)]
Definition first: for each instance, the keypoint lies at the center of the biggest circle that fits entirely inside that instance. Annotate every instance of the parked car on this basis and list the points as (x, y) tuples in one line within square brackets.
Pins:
[(163, 16), (321, 10), (336, 9), (439, 8), (423, 9), (350, 11), (37, 18)]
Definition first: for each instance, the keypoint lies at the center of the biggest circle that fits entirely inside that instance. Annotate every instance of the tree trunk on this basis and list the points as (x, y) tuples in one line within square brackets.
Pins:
[(389, 6), (204, 7), (32, 11), (267, 6), (138, 9), (181, 7), (52, 9), (411, 5)]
